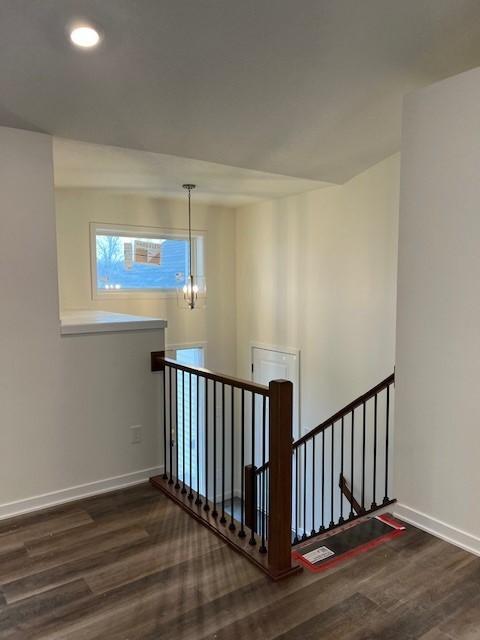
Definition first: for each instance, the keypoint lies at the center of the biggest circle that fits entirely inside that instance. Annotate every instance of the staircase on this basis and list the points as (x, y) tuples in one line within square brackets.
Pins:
[(229, 460)]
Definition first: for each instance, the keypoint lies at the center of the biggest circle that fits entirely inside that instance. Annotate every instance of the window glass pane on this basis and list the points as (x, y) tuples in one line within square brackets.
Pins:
[(140, 263), (187, 431), (191, 356)]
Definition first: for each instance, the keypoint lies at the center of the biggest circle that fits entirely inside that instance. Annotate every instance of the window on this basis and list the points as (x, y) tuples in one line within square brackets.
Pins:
[(128, 260)]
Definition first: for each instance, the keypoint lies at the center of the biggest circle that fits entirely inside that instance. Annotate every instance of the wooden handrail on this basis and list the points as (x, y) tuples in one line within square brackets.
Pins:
[(159, 362), (337, 416), (343, 412), (263, 468)]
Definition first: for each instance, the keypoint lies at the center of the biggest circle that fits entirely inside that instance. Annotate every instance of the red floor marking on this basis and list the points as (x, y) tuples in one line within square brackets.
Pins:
[(398, 531), (391, 522)]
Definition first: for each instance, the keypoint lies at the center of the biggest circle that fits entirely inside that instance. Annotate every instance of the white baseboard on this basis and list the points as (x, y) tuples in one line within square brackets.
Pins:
[(10, 509), (437, 528)]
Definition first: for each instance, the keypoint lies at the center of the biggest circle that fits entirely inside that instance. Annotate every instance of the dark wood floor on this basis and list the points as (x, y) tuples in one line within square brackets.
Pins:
[(132, 565)]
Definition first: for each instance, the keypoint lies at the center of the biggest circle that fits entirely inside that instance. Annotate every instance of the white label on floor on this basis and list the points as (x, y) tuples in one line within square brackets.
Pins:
[(318, 554)]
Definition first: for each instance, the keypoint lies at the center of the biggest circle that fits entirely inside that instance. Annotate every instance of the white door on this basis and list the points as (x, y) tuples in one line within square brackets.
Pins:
[(273, 364)]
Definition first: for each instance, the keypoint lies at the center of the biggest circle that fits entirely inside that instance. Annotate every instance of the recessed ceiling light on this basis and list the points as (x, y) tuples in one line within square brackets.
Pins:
[(85, 37)]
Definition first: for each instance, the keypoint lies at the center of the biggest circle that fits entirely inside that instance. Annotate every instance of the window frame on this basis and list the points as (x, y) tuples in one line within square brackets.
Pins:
[(129, 231)]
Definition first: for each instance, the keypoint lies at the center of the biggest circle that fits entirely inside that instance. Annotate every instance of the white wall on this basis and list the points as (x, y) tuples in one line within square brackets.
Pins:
[(66, 402), (438, 321), (317, 272), (214, 325)]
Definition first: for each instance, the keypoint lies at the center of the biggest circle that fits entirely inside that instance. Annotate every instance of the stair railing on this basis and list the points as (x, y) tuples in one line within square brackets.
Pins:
[(342, 467), (352, 446), (217, 431)]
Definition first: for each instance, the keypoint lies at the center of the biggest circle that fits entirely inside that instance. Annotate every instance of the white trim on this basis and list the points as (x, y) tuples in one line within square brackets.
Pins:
[(45, 500), (442, 530)]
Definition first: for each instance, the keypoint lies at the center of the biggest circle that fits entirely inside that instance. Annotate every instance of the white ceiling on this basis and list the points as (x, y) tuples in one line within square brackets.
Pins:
[(85, 165), (303, 88)]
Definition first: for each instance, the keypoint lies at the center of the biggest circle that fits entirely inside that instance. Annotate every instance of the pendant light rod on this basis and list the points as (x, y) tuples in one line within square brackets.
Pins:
[(189, 188)]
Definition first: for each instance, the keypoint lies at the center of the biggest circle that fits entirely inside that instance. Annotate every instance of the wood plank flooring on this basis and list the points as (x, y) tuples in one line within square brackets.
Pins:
[(131, 565)]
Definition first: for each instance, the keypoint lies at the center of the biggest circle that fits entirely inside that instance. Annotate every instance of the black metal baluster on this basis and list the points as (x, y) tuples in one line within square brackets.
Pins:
[(342, 432), (258, 515), (206, 506), (263, 548), (190, 493), (267, 499), (363, 453), (231, 526), (183, 432), (164, 392), (198, 500), (214, 510), (352, 464), (312, 532), (252, 540), (177, 430), (387, 417), (242, 533), (374, 503), (304, 489), (332, 462), (322, 527), (223, 520), (296, 483), (170, 422)]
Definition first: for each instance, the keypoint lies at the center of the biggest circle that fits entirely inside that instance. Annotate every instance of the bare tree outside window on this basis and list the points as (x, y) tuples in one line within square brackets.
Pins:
[(109, 255)]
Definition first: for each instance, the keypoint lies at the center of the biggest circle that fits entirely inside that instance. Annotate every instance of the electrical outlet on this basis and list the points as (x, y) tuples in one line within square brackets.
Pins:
[(136, 434)]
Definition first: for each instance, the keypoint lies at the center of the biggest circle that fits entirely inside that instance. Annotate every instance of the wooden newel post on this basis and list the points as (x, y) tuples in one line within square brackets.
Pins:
[(250, 497), (156, 361), (280, 482)]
